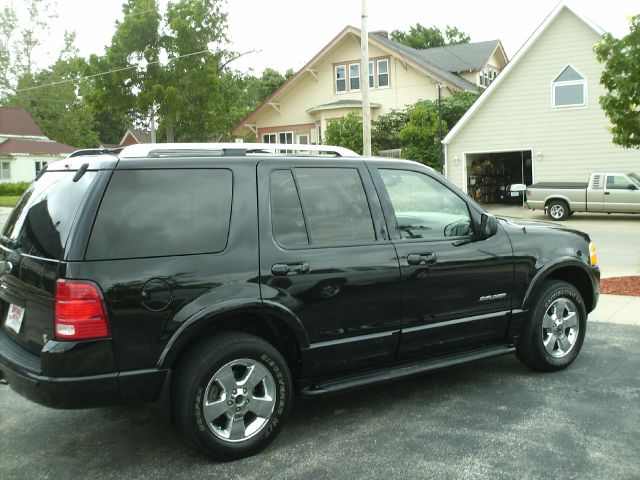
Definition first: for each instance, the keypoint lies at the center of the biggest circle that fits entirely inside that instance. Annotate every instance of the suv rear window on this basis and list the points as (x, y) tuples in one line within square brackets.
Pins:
[(152, 213), (39, 224)]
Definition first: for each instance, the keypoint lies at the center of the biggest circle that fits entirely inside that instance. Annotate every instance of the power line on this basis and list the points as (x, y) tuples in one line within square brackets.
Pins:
[(60, 82)]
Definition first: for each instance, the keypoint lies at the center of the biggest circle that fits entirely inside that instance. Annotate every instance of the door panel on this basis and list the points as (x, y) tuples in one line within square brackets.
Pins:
[(456, 289), (618, 197), (326, 256)]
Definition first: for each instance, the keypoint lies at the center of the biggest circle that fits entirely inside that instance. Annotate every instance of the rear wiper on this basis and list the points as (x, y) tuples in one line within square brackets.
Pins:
[(83, 168)]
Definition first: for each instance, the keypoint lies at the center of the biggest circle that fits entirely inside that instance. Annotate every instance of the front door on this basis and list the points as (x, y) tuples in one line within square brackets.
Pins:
[(326, 256), (621, 194), (456, 289)]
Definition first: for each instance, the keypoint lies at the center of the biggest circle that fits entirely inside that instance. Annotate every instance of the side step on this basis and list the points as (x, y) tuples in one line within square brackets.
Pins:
[(398, 372)]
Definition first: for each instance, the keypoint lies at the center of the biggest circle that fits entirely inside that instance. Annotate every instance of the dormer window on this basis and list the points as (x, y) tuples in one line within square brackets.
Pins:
[(569, 89)]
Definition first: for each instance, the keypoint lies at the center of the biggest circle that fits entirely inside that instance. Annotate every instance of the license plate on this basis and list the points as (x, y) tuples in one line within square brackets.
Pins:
[(515, 194), (15, 314)]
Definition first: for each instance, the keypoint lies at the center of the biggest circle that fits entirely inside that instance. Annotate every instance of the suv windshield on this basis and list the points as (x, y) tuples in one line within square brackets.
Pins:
[(40, 223)]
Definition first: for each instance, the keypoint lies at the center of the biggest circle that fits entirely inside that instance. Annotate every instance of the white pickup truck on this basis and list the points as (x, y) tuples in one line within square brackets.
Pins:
[(605, 193)]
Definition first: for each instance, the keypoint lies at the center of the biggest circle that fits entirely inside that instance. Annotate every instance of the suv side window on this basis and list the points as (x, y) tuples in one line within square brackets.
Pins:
[(335, 209), (288, 224), (151, 213), (424, 208)]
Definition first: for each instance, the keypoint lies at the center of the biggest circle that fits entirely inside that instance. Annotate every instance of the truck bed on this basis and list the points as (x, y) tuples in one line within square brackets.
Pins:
[(568, 185)]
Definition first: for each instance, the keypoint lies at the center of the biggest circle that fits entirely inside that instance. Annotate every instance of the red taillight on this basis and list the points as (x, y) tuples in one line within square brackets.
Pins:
[(80, 312)]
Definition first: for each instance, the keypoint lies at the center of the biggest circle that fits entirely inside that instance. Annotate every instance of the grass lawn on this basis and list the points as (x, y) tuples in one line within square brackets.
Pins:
[(9, 200)]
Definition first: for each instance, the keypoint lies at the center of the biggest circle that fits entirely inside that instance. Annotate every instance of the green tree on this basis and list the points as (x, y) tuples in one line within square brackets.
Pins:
[(173, 65), (385, 130), (345, 132), (621, 78), (421, 37), (53, 98), (420, 135)]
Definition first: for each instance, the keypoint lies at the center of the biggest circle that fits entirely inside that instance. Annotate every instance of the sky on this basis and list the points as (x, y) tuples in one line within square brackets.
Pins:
[(284, 34)]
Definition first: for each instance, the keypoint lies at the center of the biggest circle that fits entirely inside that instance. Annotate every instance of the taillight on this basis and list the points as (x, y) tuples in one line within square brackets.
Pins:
[(79, 312)]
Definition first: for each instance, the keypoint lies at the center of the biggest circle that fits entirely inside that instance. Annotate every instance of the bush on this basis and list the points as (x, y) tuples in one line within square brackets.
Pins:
[(16, 188)]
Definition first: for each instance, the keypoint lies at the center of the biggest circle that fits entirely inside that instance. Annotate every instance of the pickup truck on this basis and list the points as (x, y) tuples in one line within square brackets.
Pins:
[(605, 193)]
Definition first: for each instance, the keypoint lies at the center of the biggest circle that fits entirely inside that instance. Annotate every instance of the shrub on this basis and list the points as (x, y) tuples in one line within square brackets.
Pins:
[(16, 188)]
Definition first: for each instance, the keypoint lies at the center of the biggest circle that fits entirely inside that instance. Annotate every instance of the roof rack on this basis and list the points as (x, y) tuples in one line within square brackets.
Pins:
[(95, 151), (229, 149)]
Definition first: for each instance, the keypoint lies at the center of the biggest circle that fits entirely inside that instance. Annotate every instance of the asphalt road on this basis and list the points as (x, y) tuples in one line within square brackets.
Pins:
[(616, 236), (488, 420)]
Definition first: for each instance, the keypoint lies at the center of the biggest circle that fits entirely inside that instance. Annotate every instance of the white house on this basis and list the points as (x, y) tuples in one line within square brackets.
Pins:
[(540, 120), (24, 149)]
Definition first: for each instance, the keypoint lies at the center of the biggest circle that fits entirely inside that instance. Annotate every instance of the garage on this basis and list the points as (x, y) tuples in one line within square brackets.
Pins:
[(493, 177)]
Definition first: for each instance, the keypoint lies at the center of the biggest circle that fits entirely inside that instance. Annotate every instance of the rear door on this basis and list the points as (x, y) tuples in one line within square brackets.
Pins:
[(326, 256), (33, 245), (456, 290)]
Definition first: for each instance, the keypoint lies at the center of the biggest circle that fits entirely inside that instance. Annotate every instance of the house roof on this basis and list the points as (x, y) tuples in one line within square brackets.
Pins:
[(14, 145), (17, 121), (427, 60), (469, 54), (462, 57), (141, 136), (341, 104), (514, 61)]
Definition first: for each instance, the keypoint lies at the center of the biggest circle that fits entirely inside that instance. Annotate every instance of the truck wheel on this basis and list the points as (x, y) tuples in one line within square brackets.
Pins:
[(558, 210), (232, 394), (553, 335)]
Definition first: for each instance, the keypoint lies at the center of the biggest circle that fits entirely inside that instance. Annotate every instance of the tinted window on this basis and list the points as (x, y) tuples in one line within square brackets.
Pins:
[(424, 207), (335, 206), (148, 213), (286, 212), (40, 222)]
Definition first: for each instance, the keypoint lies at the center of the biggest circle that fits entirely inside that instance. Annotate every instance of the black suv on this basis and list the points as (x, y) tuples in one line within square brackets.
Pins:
[(225, 278)]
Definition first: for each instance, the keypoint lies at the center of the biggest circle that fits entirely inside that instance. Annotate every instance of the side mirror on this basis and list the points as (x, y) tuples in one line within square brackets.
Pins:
[(488, 225)]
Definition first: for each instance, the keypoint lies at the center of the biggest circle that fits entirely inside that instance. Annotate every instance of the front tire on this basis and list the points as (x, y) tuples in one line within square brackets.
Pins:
[(555, 330), (232, 394), (558, 210)]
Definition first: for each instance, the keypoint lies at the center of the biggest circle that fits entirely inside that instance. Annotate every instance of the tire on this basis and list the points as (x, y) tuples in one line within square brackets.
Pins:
[(558, 210), (554, 333), (246, 383)]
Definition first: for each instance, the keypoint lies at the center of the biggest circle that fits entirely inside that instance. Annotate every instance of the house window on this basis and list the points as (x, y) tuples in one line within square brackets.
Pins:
[(269, 138), (487, 76), (5, 170), (285, 137), (371, 74), (383, 73), (569, 89), (354, 76), (341, 78), (40, 166)]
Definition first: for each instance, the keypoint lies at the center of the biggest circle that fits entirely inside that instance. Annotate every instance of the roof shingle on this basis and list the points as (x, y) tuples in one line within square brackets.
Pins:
[(17, 121), (13, 145)]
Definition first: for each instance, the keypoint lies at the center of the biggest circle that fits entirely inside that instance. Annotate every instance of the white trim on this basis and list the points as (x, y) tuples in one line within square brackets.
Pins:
[(583, 82), (377, 79), (335, 79), (514, 61), (359, 76), (300, 135)]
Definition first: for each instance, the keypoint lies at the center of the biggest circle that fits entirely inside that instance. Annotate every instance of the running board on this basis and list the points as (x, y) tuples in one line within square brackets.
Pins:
[(398, 372)]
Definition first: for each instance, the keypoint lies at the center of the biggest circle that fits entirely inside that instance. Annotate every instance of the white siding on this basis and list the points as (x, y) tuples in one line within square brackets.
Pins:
[(518, 115), (23, 167)]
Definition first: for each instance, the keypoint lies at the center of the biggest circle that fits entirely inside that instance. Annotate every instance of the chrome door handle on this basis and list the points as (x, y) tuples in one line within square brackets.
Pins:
[(428, 258), (294, 268)]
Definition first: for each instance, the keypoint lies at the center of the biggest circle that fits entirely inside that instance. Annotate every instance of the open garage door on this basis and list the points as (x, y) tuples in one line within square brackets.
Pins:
[(493, 177)]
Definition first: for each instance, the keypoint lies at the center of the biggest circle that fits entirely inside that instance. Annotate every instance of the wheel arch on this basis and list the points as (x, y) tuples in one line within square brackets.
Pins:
[(571, 271), (562, 198), (271, 322)]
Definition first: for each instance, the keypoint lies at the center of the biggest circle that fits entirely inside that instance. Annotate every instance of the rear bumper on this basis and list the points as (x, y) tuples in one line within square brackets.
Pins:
[(20, 369)]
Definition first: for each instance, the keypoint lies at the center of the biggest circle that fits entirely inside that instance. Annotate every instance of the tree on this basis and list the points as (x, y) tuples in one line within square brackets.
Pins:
[(345, 132), (621, 78), (172, 64), (419, 136), (421, 37), (385, 130)]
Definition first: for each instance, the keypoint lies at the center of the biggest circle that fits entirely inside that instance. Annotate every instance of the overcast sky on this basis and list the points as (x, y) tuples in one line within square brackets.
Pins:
[(288, 33)]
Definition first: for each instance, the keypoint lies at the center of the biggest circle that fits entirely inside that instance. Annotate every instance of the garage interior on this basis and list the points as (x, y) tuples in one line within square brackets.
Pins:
[(490, 174)]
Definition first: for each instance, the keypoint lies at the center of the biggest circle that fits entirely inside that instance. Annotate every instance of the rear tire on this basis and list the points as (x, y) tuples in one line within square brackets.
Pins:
[(554, 333), (232, 395), (558, 210)]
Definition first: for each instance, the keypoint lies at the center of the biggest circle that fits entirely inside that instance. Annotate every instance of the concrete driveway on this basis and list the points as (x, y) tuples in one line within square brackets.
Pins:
[(616, 236)]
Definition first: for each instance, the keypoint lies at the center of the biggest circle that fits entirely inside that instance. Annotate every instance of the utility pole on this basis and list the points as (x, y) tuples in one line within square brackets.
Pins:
[(440, 146), (364, 83)]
